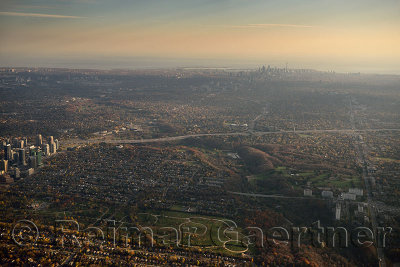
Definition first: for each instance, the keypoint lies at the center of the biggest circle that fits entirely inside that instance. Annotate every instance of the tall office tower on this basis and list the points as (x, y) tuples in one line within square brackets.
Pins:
[(7, 152), (17, 173), (39, 140), (57, 143), (39, 158), (4, 143), (51, 140), (21, 144), (22, 156), (15, 157), (46, 149), (15, 143), (33, 151), (4, 165), (53, 148), (32, 162), (25, 141)]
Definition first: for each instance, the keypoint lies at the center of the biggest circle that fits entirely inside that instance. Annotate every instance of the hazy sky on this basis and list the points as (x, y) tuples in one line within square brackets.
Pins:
[(343, 35)]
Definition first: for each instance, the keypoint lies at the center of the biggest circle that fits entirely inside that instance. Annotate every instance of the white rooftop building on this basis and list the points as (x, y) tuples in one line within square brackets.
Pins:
[(328, 194), (349, 196), (308, 192), (356, 191)]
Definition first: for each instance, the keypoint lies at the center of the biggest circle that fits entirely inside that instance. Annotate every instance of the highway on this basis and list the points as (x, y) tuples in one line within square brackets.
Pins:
[(182, 137), (266, 196)]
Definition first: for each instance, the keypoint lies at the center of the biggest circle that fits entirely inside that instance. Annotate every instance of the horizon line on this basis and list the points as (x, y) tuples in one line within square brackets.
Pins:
[(38, 15)]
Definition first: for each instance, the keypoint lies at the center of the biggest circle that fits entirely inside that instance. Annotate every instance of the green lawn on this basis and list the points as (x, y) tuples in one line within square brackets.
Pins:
[(203, 229)]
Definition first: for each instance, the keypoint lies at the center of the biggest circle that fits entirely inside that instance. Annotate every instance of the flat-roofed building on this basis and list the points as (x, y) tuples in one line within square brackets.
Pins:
[(308, 192), (327, 194)]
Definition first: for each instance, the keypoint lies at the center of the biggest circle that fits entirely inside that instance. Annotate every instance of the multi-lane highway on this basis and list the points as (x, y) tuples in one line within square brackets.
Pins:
[(181, 137)]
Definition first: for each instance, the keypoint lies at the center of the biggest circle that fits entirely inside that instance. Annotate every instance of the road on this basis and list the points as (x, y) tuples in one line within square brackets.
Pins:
[(182, 137), (360, 146), (371, 206), (263, 113), (267, 196)]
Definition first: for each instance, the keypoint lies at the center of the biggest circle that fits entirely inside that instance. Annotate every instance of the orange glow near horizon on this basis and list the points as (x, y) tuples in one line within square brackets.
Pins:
[(306, 41)]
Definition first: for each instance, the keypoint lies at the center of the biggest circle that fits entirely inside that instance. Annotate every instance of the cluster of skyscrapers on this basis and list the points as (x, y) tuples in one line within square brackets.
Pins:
[(20, 155)]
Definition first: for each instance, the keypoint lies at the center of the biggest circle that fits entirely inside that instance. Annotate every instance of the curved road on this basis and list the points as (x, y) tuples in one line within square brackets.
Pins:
[(181, 137)]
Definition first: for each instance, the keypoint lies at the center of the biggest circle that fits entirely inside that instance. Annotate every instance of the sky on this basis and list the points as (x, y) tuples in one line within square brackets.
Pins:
[(348, 36)]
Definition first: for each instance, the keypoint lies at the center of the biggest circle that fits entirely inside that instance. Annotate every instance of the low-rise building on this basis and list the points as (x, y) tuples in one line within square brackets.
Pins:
[(348, 196), (356, 191), (307, 192), (6, 179), (327, 194)]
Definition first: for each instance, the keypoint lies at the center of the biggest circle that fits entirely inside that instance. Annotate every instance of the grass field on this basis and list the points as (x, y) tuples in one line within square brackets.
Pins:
[(299, 180), (197, 231)]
